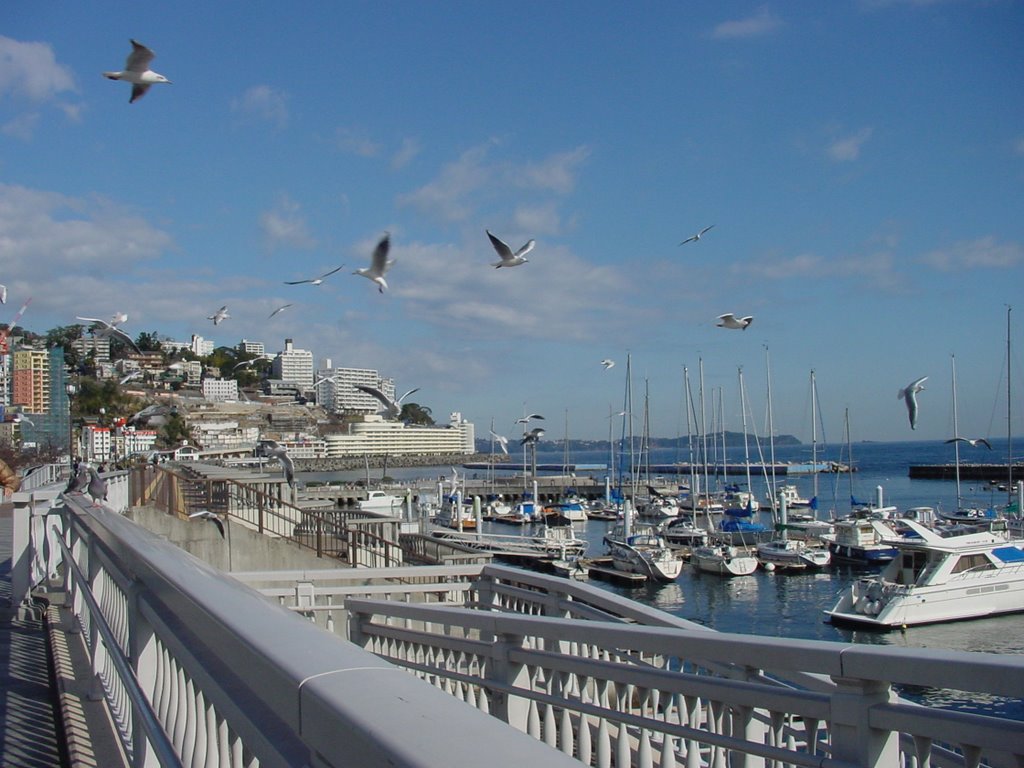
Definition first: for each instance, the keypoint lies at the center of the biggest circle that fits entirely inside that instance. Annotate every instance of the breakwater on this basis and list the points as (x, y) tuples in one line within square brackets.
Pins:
[(350, 463), (999, 473)]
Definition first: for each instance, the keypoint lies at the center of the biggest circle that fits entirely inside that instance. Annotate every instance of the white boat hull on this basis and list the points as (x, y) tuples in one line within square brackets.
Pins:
[(723, 561)]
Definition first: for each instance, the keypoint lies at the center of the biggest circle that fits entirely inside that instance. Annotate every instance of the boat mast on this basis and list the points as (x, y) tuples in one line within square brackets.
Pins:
[(743, 414), (956, 434), (814, 442), (1009, 422), (771, 428), (703, 429)]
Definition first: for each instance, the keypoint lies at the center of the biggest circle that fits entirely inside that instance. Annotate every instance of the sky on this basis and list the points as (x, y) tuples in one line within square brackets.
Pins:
[(862, 162)]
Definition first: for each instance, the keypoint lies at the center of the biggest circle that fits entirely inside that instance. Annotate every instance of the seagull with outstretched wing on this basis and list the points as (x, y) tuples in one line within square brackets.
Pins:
[(973, 442), (698, 236), (392, 408), (909, 396), (315, 280), (137, 72), (508, 257), (379, 264), (102, 329)]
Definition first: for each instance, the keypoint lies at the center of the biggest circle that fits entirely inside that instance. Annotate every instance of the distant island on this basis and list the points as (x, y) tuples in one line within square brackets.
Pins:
[(732, 440)]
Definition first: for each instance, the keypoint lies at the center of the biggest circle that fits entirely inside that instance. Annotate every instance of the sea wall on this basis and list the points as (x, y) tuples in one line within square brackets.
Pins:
[(344, 463)]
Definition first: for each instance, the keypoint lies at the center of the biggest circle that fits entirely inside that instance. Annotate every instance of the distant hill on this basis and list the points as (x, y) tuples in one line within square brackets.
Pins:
[(732, 440)]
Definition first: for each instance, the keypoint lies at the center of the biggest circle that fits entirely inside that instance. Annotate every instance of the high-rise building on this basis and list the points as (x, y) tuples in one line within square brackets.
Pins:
[(336, 390), (294, 365), (39, 389), (251, 347)]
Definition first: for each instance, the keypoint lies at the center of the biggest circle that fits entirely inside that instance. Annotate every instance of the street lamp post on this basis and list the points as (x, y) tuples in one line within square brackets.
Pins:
[(71, 390)]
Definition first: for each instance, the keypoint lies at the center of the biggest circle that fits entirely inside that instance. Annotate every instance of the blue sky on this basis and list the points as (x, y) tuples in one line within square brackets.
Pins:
[(862, 162)]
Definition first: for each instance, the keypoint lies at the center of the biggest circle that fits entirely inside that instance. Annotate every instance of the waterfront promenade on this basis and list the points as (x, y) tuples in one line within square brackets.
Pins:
[(200, 667)]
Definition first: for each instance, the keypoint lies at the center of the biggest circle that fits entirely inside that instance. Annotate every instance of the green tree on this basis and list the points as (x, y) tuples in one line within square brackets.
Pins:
[(64, 336), (173, 432), (414, 413), (148, 342)]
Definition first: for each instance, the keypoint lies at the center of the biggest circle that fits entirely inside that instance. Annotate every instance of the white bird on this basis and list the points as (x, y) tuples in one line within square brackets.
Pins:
[(532, 436), (104, 330), (392, 408), (220, 314), (502, 441), (3, 294), (130, 376), (698, 236), (525, 419), (244, 364), (508, 258), (282, 308), (379, 264), (271, 449), (20, 417), (153, 416), (974, 443), (205, 514), (137, 72), (729, 320), (608, 363), (909, 395), (314, 280), (118, 318)]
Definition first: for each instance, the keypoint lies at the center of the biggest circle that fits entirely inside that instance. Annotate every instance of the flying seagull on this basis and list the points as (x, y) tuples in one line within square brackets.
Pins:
[(730, 320), (909, 395), (271, 449), (698, 236), (130, 376), (608, 363), (525, 419), (205, 514), (509, 259), (532, 436), (974, 443), (104, 330), (244, 363), (379, 264), (20, 417), (314, 280), (220, 314), (137, 72), (502, 441), (392, 408), (3, 294), (280, 309), (153, 416)]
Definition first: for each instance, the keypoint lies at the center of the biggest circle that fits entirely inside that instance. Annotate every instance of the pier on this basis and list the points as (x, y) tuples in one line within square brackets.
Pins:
[(356, 658)]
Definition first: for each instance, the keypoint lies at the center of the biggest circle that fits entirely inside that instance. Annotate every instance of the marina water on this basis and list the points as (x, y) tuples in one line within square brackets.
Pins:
[(792, 604)]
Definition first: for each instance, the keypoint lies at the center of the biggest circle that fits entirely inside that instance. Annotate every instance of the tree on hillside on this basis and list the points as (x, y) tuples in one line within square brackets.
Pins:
[(64, 336), (414, 413), (148, 342)]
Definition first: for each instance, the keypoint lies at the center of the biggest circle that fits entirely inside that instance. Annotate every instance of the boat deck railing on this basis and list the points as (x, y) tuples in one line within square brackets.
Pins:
[(470, 665)]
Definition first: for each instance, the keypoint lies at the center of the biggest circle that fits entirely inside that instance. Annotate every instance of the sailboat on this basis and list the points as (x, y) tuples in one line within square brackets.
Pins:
[(971, 515), (634, 547)]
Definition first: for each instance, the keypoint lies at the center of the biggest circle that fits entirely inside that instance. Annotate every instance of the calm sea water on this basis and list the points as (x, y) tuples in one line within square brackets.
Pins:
[(792, 604)]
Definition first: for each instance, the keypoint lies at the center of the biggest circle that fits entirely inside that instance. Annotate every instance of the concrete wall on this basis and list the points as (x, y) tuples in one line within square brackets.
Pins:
[(241, 549)]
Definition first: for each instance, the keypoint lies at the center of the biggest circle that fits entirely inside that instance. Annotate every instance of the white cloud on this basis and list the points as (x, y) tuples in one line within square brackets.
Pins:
[(263, 103), (1018, 146), (284, 226), (409, 149), (982, 253), (847, 148), (759, 24), (463, 185), (22, 126), (446, 196), (31, 71), (354, 142), (876, 268)]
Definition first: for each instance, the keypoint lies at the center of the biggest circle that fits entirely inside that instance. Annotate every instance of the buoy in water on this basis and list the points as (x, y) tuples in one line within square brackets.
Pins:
[(769, 567)]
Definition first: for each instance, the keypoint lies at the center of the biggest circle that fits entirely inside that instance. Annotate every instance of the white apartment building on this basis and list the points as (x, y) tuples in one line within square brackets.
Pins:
[(97, 443), (295, 365), (5, 380), (223, 434), (98, 345), (251, 348), (129, 441), (305, 449), (220, 390), (200, 346), (376, 437), (336, 390)]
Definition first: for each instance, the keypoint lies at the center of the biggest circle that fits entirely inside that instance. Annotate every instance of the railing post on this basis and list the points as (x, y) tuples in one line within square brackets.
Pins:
[(514, 710), (144, 657), (21, 549), (853, 739)]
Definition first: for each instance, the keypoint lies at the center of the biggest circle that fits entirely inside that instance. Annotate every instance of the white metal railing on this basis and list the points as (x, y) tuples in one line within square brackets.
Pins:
[(230, 678), (569, 665), (199, 670)]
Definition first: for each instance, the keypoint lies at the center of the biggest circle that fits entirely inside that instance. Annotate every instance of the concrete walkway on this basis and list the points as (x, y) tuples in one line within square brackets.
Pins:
[(28, 722)]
